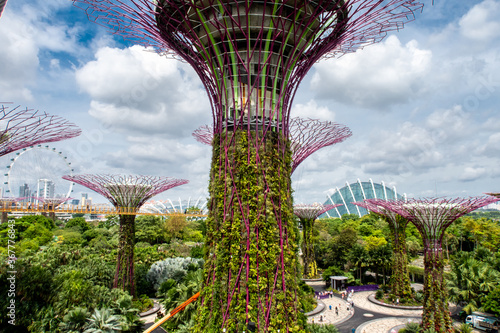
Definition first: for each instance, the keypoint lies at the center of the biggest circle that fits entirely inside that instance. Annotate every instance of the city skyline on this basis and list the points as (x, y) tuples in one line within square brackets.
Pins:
[(421, 104)]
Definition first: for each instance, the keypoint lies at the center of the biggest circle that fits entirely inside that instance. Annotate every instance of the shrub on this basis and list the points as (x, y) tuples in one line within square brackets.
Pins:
[(172, 268), (412, 328), (379, 294)]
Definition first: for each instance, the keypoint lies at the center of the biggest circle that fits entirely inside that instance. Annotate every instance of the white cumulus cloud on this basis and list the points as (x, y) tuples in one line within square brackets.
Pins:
[(378, 76)]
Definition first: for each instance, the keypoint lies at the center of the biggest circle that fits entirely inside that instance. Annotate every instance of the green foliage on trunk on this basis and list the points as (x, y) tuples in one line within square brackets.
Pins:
[(251, 253)]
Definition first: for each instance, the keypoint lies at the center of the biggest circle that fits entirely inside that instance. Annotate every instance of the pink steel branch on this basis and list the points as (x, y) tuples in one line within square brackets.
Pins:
[(306, 137), (312, 211), (334, 28), (21, 128), (432, 216)]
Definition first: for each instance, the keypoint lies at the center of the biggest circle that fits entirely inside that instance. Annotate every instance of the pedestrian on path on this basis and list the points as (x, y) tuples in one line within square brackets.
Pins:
[(330, 307), (336, 311)]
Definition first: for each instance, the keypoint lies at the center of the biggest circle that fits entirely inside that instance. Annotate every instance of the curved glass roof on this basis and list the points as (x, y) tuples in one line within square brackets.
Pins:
[(358, 191)]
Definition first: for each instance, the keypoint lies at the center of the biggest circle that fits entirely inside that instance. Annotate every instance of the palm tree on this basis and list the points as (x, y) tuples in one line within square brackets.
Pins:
[(103, 321), (179, 294), (470, 281)]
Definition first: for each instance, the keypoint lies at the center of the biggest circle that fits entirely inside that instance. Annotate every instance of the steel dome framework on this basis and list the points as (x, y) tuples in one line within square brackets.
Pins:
[(251, 57), (357, 192)]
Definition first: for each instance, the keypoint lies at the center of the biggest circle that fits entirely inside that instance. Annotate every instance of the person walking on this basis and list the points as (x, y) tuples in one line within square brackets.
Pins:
[(330, 306), (336, 311)]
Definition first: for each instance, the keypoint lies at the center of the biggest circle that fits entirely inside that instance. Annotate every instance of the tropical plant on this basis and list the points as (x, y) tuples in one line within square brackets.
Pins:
[(45, 320), (172, 268), (75, 320), (129, 319), (412, 327), (312, 328), (464, 328), (470, 282), (180, 293), (103, 321), (78, 223)]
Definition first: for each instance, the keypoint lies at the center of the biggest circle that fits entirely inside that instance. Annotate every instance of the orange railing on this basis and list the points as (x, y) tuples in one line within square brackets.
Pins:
[(24, 207)]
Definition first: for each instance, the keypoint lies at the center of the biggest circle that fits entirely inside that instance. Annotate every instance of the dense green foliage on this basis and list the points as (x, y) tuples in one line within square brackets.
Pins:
[(65, 275), (251, 249)]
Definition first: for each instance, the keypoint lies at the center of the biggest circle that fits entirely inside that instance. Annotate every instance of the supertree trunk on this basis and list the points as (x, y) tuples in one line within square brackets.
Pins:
[(251, 255), (400, 279), (436, 313), (124, 276), (310, 266)]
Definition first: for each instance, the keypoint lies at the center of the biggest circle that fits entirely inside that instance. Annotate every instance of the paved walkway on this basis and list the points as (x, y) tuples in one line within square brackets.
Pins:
[(366, 317)]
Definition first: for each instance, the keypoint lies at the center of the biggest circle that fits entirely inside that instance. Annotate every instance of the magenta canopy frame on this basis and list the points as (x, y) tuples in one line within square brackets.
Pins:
[(312, 211), (432, 216), (306, 136), (21, 128), (208, 35), (2, 6), (126, 191)]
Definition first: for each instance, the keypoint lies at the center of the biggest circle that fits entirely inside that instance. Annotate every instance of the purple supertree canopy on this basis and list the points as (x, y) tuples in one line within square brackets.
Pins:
[(252, 55), (309, 135), (204, 134), (311, 211), (126, 191), (372, 206), (433, 215), (2, 6), (53, 201), (306, 137), (21, 128), (494, 194)]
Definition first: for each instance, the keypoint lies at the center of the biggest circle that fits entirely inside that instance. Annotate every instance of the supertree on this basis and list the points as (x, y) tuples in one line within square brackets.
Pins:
[(51, 204), (308, 215), (306, 136), (2, 6), (400, 279), (432, 216), (22, 128), (7, 203), (251, 57), (127, 193)]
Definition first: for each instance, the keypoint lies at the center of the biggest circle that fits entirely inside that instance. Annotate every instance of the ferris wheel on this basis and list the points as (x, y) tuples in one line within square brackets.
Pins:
[(37, 172)]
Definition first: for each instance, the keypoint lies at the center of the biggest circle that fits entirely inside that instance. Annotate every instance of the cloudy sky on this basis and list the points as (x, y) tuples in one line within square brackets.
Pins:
[(423, 105)]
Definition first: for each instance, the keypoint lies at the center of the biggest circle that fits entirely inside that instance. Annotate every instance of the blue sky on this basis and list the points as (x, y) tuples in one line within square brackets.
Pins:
[(422, 104)]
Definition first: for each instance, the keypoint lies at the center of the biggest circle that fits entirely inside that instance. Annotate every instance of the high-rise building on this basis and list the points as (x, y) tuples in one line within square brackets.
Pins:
[(24, 191), (46, 188)]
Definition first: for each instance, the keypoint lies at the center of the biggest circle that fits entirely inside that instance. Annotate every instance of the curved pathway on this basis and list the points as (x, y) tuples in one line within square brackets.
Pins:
[(366, 317)]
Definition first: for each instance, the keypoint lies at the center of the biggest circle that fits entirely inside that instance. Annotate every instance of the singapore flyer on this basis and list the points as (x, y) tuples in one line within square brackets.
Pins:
[(35, 173)]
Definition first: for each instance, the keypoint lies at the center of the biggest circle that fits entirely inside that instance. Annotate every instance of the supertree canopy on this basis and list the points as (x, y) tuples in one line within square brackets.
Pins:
[(307, 215), (51, 204), (2, 6), (432, 217), (251, 57), (400, 279), (21, 128), (306, 136), (127, 194)]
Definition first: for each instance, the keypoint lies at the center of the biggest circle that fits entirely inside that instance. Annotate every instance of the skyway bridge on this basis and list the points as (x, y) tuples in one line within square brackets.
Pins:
[(7, 206)]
